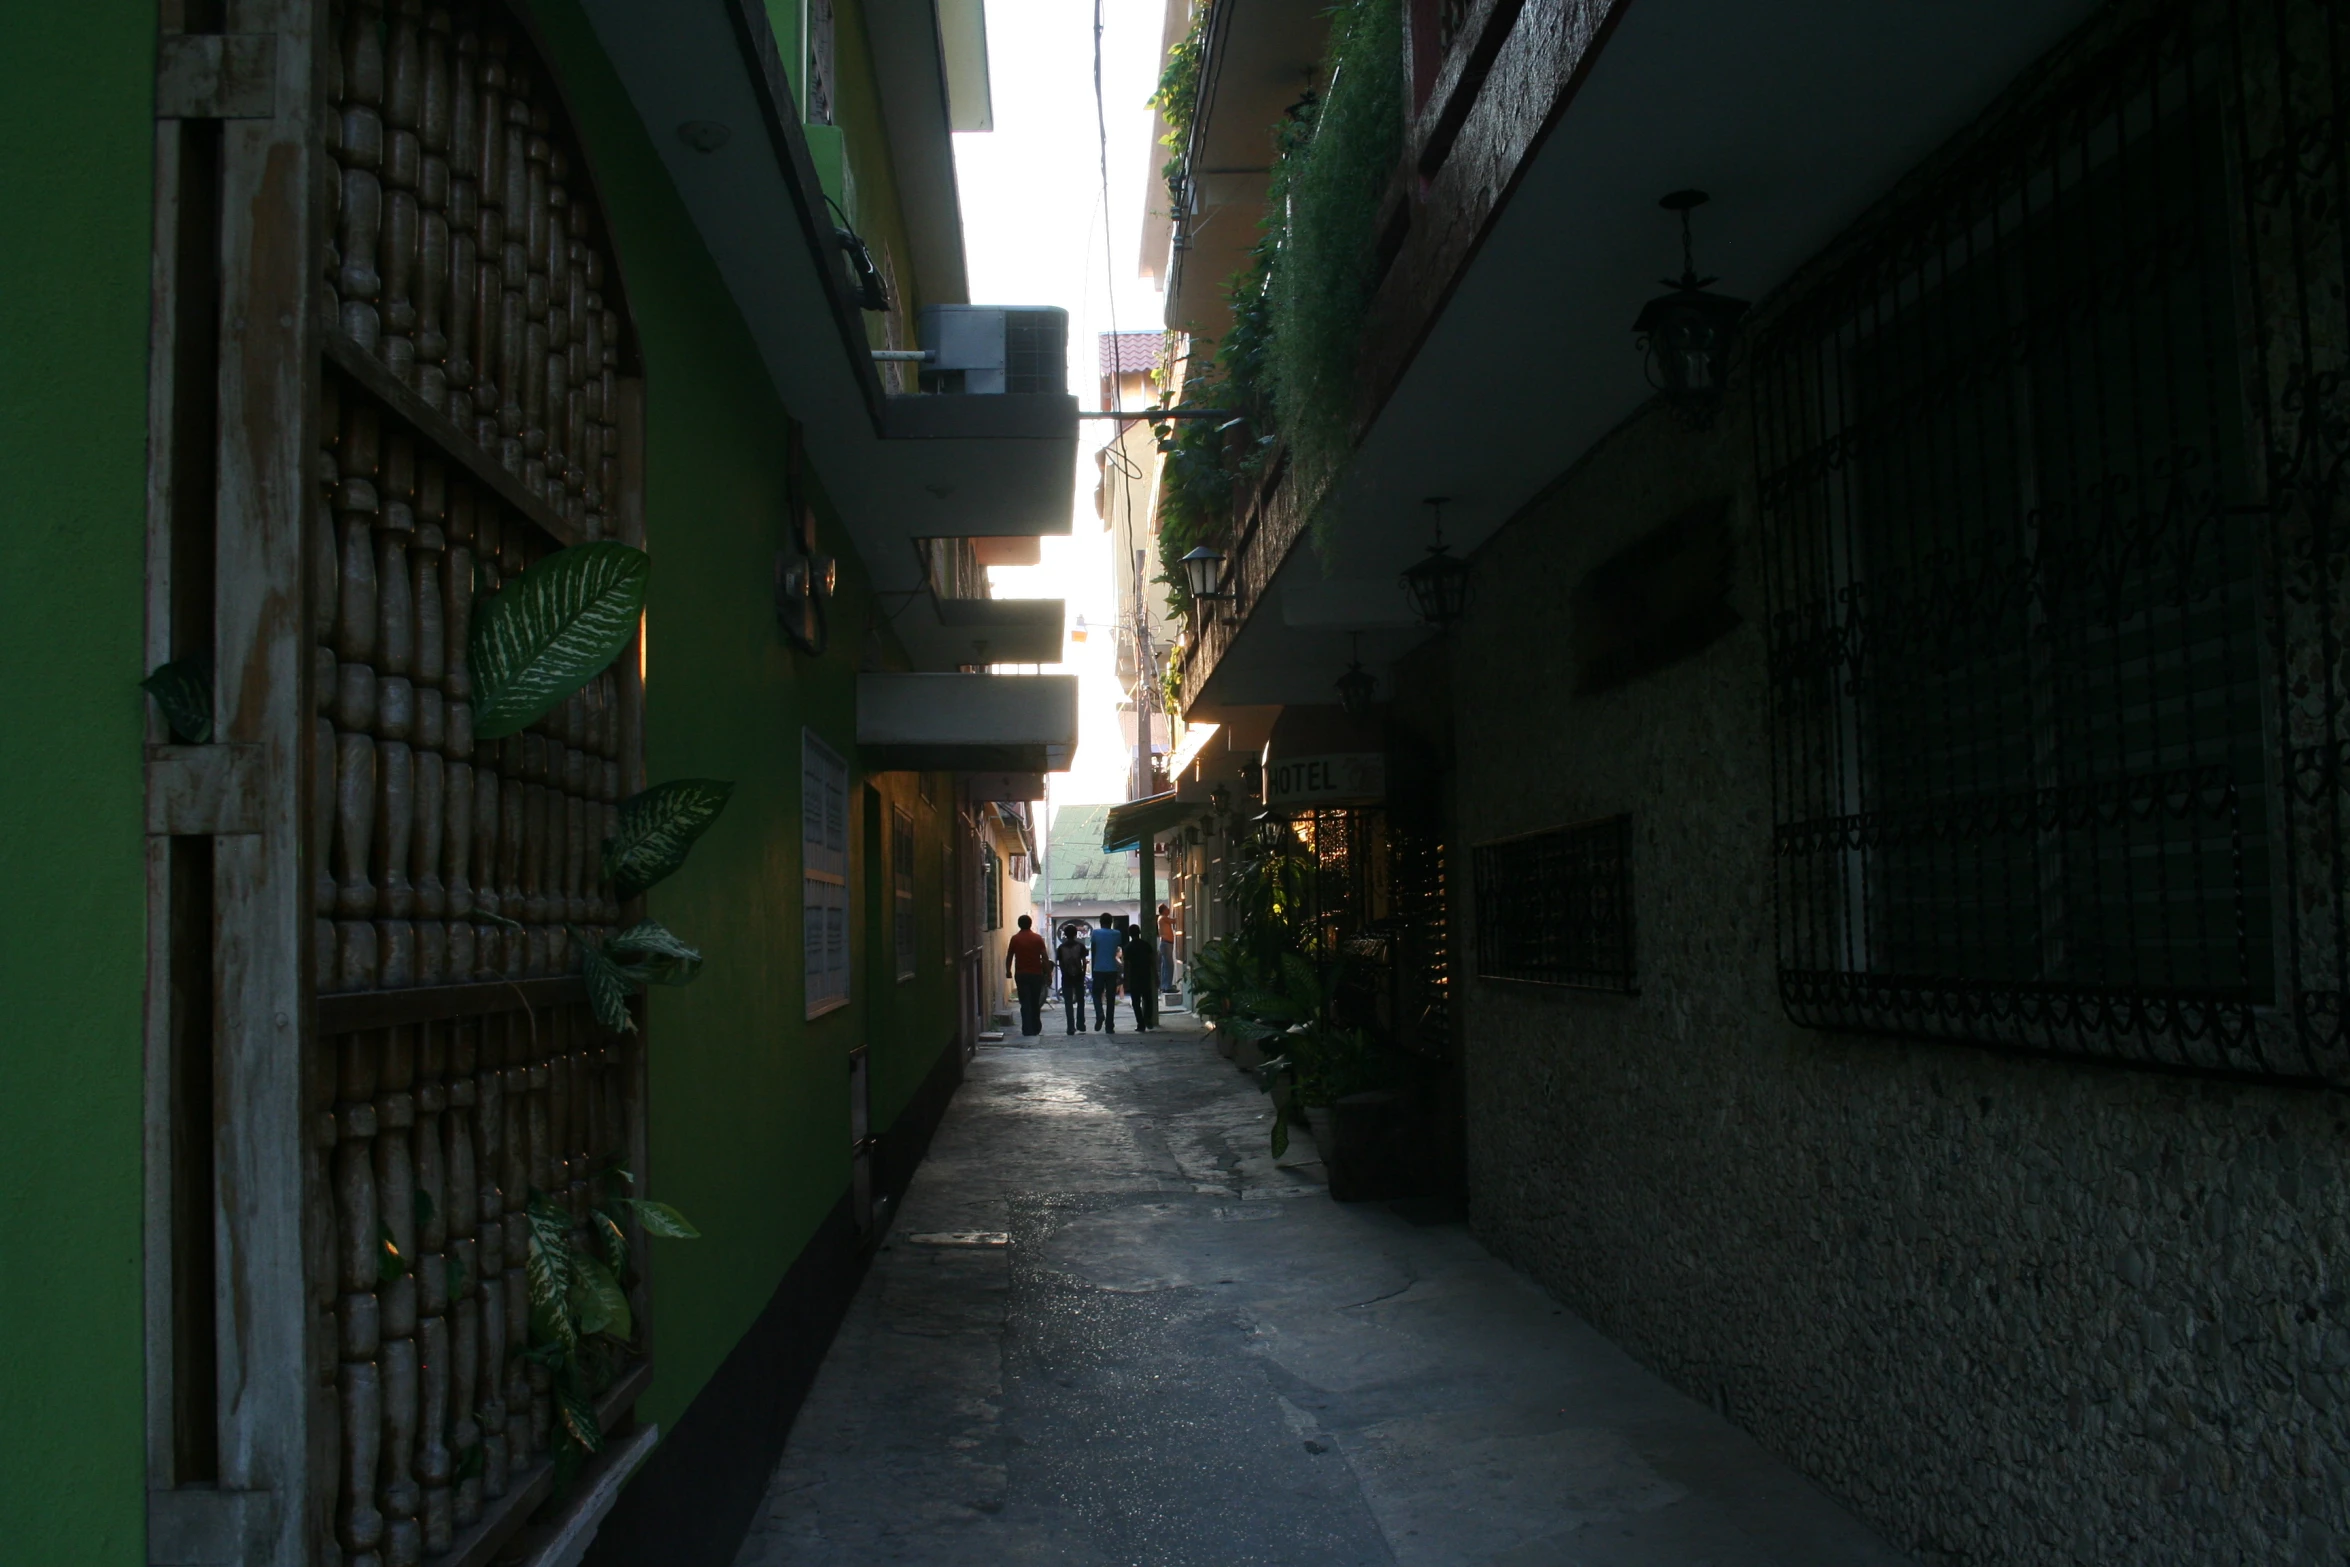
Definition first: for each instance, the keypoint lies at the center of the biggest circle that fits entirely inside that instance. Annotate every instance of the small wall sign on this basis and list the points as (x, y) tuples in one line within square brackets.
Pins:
[(1335, 778)]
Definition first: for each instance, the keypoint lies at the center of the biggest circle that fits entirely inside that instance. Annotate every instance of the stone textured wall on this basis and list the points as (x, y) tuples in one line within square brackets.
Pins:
[(2011, 1310)]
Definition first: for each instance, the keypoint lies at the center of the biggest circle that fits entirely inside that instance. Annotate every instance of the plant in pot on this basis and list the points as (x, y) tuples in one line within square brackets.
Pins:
[(1320, 1059)]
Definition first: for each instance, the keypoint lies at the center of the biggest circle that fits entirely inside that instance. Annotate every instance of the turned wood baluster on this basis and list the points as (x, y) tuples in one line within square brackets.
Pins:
[(432, 736), (403, 170), (515, 1184), (432, 234), (359, 1522), (357, 505), (591, 381), (489, 1143), (325, 600), (395, 1179), (464, 216), (556, 374), (395, 718), (457, 681), (513, 802), (465, 1294), (610, 400), (536, 856), (575, 249), (542, 1176), (537, 299), (489, 292), (514, 267), (330, 135), (435, 1464), (362, 153), (488, 811), (575, 831), (608, 905)]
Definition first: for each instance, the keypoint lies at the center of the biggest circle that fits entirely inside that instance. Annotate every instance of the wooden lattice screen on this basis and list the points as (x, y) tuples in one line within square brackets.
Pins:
[(447, 403)]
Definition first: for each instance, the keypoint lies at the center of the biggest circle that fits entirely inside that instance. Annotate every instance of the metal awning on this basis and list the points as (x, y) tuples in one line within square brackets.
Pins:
[(967, 723), (1128, 825)]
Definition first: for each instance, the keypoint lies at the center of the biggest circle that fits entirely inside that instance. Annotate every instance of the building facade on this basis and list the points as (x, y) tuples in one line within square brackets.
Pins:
[(1884, 759), (375, 316)]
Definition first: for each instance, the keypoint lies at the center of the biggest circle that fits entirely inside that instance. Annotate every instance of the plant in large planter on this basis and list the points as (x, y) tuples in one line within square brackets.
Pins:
[(1321, 1059)]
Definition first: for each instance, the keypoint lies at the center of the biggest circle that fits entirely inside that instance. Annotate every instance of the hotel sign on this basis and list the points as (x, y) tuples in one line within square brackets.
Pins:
[(1334, 778)]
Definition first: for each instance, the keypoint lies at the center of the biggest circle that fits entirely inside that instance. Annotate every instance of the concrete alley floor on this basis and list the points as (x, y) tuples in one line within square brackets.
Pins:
[(1106, 1329)]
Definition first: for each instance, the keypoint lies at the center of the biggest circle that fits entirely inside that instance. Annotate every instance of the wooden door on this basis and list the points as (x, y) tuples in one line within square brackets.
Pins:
[(392, 371)]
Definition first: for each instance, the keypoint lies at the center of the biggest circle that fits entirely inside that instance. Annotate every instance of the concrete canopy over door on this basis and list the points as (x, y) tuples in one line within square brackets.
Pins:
[(1794, 117)]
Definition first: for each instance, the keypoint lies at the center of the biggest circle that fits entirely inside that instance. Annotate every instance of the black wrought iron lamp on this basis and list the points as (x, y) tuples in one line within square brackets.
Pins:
[(1439, 583), (1272, 830), (1687, 333), (1358, 688), (1203, 573)]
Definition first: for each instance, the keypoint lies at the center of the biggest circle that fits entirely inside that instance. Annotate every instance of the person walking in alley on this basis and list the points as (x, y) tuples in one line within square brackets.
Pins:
[(1072, 957), (1134, 951), (1166, 948), (1026, 960), (1106, 969)]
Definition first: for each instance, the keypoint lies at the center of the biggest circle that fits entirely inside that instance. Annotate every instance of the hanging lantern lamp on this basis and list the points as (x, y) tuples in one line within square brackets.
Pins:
[(1687, 333), (1439, 583), (1358, 688), (1203, 572)]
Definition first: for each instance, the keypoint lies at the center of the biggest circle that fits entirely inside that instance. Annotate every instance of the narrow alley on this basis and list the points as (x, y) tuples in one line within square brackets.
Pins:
[(1107, 1328)]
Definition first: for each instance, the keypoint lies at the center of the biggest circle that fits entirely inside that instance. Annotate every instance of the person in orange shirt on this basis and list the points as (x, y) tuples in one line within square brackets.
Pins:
[(1026, 959)]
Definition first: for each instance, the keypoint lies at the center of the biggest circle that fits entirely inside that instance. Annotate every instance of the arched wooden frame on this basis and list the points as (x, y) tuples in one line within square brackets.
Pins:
[(393, 367)]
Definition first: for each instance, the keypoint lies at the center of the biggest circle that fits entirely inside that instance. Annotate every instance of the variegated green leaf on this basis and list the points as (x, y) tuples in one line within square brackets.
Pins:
[(614, 1240), (551, 1325), (548, 1267), (658, 828), (579, 1418), (653, 950), (184, 692), (609, 987), (552, 630), (659, 1218), (597, 1302)]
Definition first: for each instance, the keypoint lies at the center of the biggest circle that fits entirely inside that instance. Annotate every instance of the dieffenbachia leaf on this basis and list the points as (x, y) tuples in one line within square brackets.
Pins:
[(659, 1218), (597, 1304), (613, 1239), (579, 1418), (184, 692), (549, 1267), (609, 987), (654, 952), (657, 828), (552, 630)]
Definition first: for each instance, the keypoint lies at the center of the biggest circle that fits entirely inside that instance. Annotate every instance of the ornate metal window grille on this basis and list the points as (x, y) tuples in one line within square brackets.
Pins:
[(2050, 469), (1555, 908)]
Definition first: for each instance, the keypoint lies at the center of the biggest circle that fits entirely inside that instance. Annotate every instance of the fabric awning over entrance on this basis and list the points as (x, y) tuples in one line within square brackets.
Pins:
[(1128, 825)]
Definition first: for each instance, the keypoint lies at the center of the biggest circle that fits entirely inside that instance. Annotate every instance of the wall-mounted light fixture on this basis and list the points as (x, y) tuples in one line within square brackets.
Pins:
[(1687, 333), (1203, 572), (1439, 584)]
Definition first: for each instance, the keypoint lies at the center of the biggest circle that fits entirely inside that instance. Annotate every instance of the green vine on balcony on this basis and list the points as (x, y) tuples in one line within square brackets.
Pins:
[(1177, 100)]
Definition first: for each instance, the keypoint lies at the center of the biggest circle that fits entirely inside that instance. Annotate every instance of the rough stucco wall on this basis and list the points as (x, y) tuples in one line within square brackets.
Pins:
[(2011, 1310), (76, 148)]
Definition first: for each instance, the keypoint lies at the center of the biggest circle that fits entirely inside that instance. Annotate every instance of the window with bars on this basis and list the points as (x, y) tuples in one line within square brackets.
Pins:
[(824, 873), (991, 887), (901, 866), (2020, 462), (1555, 908)]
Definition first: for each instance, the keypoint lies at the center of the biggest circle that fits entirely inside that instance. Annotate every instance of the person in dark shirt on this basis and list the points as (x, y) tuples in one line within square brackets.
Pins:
[(1073, 958), (1027, 960), (1141, 963), (1105, 974)]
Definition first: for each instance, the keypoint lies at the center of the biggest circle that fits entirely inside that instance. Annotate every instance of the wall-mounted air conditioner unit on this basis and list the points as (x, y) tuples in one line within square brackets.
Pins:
[(995, 348)]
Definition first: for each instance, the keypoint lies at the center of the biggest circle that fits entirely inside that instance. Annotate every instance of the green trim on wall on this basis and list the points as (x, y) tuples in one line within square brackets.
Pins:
[(76, 157)]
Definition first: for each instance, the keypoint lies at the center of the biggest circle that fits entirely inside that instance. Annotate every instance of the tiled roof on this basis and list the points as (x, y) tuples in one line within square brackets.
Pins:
[(1130, 353)]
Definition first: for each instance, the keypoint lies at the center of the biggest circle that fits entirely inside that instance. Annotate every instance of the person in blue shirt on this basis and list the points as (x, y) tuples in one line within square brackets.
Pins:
[(1107, 969)]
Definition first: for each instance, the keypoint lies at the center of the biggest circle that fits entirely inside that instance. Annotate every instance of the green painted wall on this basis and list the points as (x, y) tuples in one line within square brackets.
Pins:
[(76, 128), (749, 1103)]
